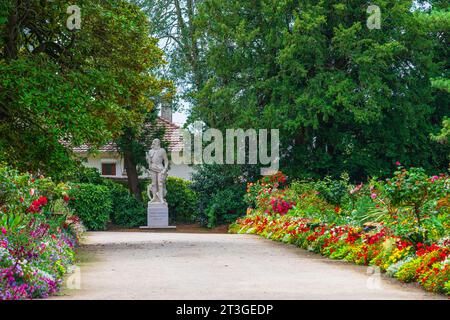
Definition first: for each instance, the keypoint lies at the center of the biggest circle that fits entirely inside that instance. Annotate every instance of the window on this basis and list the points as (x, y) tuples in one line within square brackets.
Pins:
[(108, 169)]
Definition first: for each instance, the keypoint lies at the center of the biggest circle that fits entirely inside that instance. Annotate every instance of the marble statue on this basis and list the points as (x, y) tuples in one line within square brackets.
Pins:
[(158, 164)]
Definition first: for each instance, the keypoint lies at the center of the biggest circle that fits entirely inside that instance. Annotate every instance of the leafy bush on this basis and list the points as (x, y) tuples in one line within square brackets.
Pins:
[(92, 203), (212, 182), (225, 206), (126, 210), (418, 194), (333, 191), (88, 175), (182, 200)]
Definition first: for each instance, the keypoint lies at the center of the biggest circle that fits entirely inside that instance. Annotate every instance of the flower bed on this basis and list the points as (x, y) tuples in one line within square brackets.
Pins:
[(38, 233), (403, 241)]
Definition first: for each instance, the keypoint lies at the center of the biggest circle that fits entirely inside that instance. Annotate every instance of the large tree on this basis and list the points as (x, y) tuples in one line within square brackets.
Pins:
[(60, 88), (173, 23), (345, 97)]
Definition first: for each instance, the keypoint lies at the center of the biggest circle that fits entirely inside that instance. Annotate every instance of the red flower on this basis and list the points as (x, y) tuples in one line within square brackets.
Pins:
[(43, 201), (36, 205), (443, 255)]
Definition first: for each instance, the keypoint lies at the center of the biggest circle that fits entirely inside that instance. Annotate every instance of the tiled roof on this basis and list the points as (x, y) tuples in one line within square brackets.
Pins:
[(172, 135), (109, 147)]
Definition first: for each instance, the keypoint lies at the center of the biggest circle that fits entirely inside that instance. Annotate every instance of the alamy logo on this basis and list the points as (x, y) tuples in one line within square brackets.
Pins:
[(73, 281), (74, 20), (241, 147), (374, 20)]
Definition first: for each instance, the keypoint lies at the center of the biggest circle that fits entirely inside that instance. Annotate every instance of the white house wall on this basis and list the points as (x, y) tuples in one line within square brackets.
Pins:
[(96, 162), (180, 171)]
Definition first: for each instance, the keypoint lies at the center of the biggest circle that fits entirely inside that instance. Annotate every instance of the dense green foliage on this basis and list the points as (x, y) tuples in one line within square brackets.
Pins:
[(351, 99), (79, 86), (220, 192), (87, 175), (224, 206), (126, 210), (182, 200), (346, 98), (92, 204)]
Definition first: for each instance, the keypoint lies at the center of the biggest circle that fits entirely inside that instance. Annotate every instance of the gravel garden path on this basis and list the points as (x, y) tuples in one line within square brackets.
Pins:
[(179, 265)]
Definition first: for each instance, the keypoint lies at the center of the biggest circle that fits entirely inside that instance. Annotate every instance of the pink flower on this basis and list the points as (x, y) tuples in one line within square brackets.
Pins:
[(31, 192), (356, 189), (398, 163), (4, 231), (373, 196), (434, 178)]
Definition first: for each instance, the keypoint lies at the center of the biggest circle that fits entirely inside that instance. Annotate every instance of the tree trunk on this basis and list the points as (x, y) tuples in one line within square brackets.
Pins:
[(132, 174), (12, 34)]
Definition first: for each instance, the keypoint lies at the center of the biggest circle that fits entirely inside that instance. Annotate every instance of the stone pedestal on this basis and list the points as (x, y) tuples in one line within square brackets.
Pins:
[(157, 216)]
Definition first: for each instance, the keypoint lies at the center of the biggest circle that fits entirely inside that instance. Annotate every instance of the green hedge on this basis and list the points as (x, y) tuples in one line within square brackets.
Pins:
[(182, 200), (98, 201), (225, 206), (92, 203), (221, 190), (127, 211)]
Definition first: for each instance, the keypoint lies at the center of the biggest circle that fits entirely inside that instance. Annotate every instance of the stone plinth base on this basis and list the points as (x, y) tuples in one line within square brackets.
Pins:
[(157, 216)]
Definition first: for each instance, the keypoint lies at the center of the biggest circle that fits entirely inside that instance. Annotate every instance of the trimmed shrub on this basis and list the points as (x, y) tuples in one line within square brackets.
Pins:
[(126, 210), (181, 199), (93, 204), (225, 206), (87, 175), (212, 183)]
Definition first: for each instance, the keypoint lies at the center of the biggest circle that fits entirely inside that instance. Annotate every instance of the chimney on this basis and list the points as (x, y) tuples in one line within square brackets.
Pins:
[(166, 110)]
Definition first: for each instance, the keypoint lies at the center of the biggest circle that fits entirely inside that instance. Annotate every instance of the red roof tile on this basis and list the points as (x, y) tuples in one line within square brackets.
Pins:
[(172, 135)]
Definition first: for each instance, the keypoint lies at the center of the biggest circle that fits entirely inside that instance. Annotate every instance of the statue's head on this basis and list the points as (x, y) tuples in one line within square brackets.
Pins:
[(156, 144)]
